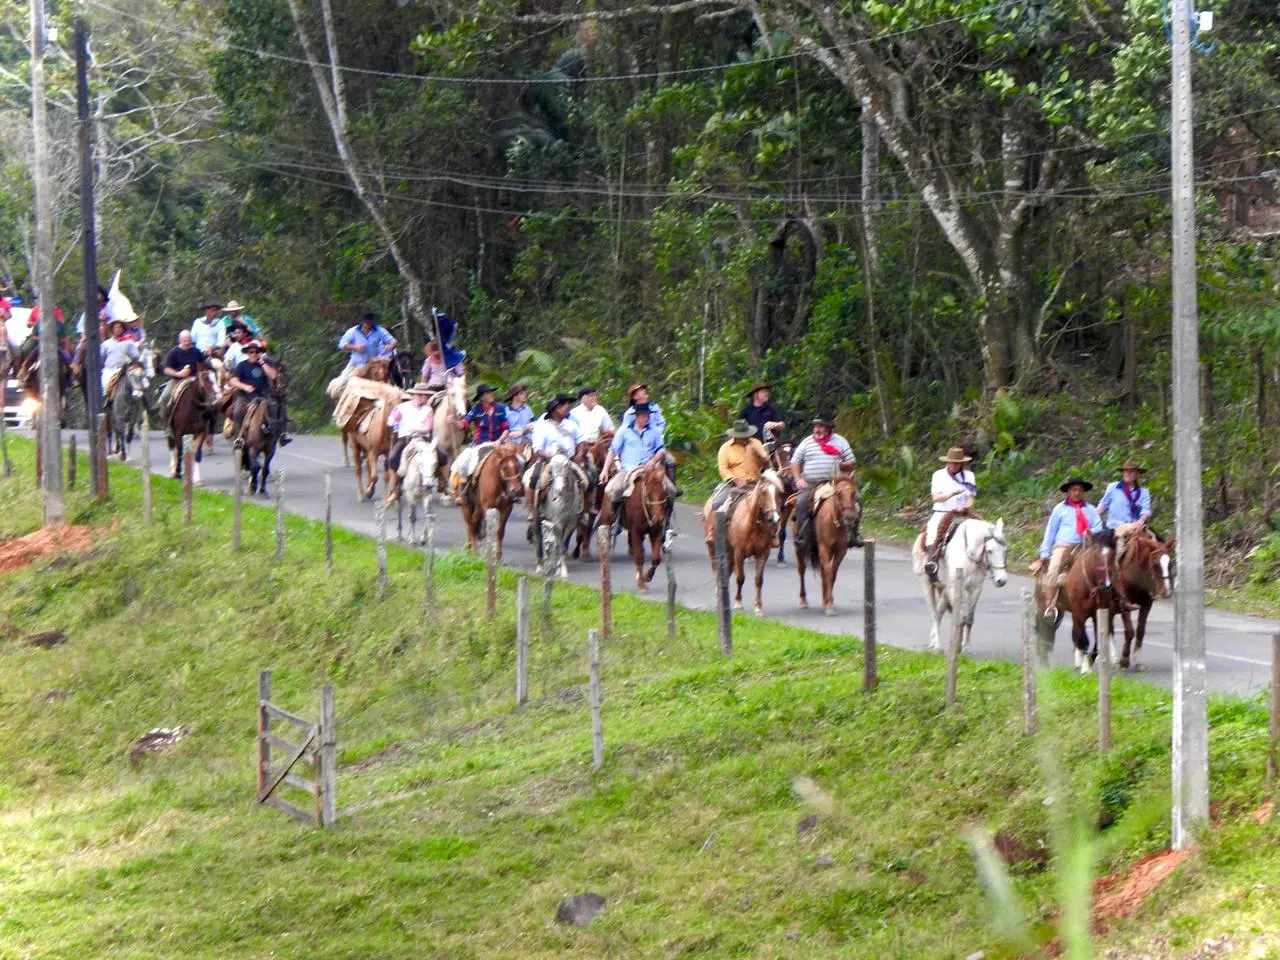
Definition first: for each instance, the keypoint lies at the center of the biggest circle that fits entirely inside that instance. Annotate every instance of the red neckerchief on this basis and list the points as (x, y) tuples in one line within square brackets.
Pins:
[(828, 448), (1082, 522)]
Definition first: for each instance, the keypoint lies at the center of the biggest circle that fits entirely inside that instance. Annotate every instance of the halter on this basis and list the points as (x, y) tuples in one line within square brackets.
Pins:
[(981, 559), (645, 502), (505, 461)]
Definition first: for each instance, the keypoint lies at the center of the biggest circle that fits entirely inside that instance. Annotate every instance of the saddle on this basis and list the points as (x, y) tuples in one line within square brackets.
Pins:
[(412, 451), (111, 383), (820, 495), (359, 389)]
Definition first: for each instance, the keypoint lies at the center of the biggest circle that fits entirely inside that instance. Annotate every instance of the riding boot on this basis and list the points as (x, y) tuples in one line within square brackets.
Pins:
[(931, 560), (670, 467)]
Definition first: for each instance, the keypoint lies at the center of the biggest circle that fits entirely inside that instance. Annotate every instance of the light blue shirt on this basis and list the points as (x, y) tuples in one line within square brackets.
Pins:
[(116, 353), (1118, 508), (634, 449), (519, 418), (376, 343), (1061, 529), (207, 334), (656, 420)]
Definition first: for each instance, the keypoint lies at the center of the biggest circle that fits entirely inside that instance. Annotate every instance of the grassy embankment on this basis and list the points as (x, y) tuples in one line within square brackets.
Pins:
[(467, 821)]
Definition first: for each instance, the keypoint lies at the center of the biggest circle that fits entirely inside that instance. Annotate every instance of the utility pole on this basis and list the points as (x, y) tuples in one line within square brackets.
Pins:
[(49, 436), (92, 359), (1190, 714)]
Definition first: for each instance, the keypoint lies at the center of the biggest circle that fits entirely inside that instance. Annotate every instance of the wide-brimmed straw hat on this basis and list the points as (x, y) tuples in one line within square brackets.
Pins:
[(1132, 464), (757, 386), (420, 390), (515, 388), (234, 305), (559, 400), (956, 455), (634, 387), (741, 430), (481, 390), (1076, 482)]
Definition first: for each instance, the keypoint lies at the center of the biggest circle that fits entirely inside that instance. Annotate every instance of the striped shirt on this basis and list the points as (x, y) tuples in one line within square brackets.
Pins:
[(819, 467)]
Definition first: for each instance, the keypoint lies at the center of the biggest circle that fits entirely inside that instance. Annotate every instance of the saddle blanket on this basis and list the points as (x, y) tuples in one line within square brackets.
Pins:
[(359, 389)]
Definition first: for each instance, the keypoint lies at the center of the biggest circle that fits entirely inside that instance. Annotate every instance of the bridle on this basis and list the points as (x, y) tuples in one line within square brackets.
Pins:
[(509, 474), (645, 501), (984, 554)]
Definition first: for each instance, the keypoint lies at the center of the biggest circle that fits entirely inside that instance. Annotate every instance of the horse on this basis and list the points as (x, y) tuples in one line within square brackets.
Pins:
[(644, 514), (496, 484), (450, 411), (752, 526), (123, 407), (831, 527), (975, 550), (590, 456), (367, 446), (780, 458), (401, 370), (419, 462), (1088, 587), (29, 376), (190, 415), (1142, 573), (561, 509), (378, 369)]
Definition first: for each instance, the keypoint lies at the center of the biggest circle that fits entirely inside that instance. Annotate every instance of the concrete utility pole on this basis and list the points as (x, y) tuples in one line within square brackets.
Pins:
[(1190, 715), (50, 426), (92, 360)]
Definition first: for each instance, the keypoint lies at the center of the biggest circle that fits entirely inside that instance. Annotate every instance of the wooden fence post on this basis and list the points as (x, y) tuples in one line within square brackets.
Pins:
[(148, 503), (522, 642), (550, 562), (380, 548), (328, 521), (491, 559), (100, 458), (4, 444), (264, 727), (237, 504), (597, 728), (187, 463), (430, 562), (671, 586), (1104, 674), (1273, 722), (724, 613), (280, 516), (957, 632), (35, 424), (868, 616), (1030, 721), (71, 462), (606, 582), (326, 761)]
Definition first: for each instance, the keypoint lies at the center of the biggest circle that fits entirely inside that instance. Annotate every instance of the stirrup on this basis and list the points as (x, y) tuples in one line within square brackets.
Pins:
[(931, 568), (1051, 613)]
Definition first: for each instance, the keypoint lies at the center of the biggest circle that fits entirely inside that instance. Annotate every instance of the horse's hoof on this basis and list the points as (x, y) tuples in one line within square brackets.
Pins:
[(758, 611), (737, 606), (1123, 663), (804, 604), (781, 562), (829, 611)]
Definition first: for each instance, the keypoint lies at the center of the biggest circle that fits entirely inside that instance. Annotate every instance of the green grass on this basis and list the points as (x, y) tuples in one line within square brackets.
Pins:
[(467, 821)]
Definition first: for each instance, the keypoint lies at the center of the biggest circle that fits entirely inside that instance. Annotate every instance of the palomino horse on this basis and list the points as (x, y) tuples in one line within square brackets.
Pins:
[(976, 549), (380, 371), (495, 485), (259, 445), (190, 415), (419, 462), (1144, 572), (644, 514), (1088, 587), (831, 527), (124, 406), (590, 457), (561, 508), (450, 411), (753, 524)]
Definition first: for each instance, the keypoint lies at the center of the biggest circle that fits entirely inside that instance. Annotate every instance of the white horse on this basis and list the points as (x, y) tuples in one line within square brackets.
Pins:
[(976, 550), (418, 464), (565, 499)]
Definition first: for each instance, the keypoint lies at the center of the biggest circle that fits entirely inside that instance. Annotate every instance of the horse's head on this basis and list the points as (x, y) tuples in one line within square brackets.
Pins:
[(509, 470), (652, 485), (1153, 559), (455, 389), (422, 452), (844, 498), (378, 369), (135, 380), (995, 551), (769, 498)]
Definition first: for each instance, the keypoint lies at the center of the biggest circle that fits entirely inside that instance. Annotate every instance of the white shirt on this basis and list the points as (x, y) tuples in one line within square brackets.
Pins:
[(413, 419), (207, 334), (944, 482), (550, 438), (591, 423), (234, 354)]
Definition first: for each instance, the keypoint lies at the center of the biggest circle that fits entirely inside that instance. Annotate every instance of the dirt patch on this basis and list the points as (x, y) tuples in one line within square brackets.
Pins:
[(15, 554), (1119, 894), (46, 641)]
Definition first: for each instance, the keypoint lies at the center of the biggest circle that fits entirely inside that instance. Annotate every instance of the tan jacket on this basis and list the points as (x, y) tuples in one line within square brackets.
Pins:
[(742, 461)]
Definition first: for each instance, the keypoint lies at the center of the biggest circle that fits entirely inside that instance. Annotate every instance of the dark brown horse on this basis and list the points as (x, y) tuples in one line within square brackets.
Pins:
[(191, 414), (259, 445), (1143, 573), (495, 485), (831, 529), (780, 459), (1089, 587), (644, 514), (590, 456), (752, 526)]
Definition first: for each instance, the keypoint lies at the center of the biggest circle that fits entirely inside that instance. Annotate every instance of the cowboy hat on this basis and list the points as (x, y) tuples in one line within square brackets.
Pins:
[(253, 345), (757, 386), (1132, 464), (234, 305), (1076, 482), (112, 325), (515, 388), (208, 304), (585, 391), (956, 455), (634, 387), (559, 401), (420, 390), (740, 430), (481, 390), (645, 408), (823, 420)]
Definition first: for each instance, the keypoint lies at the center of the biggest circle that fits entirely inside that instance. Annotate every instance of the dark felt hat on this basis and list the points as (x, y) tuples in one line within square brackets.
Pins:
[(481, 390), (640, 408), (516, 388), (823, 419), (1076, 482), (759, 385), (559, 400), (584, 391)]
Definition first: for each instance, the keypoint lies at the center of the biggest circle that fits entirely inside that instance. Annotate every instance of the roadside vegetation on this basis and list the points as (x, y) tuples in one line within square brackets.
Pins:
[(758, 806)]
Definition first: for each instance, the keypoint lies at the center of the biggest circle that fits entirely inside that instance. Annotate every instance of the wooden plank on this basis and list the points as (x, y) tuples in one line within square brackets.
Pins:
[(868, 616), (724, 612), (1273, 721), (1030, 720), (264, 725), (284, 806), (596, 697), (522, 641), (280, 743), (288, 765), (293, 779), (1103, 642), (148, 510), (326, 771), (957, 634), (605, 547), (281, 714)]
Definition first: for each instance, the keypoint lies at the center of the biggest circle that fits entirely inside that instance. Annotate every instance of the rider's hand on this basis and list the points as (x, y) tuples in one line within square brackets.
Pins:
[(739, 482), (802, 484)]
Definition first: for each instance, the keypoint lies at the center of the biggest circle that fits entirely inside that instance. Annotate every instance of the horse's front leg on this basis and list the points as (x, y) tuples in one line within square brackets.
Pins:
[(195, 460), (827, 565), (739, 574), (175, 457), (762, 559), (1080, 640), (635, 541), (804, 600), (655, 551), (1143, 610), (503, 513)]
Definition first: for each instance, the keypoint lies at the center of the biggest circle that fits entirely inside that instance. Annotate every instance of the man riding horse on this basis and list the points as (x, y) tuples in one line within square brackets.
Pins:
[(591, 419), (636, 445), (364, 342), (760, 413), (488, 422), (953, 489), (637, 394), (254, 380), (412, 419), (1126, 509), (554, 433), (1063, 535), (741, 461), (815, 460)]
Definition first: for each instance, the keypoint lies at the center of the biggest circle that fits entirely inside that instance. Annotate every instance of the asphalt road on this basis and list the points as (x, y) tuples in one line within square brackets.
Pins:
[(1239, 646)]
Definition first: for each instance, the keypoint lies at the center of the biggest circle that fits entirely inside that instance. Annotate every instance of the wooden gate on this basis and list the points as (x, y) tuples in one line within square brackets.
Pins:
[(317, 745)]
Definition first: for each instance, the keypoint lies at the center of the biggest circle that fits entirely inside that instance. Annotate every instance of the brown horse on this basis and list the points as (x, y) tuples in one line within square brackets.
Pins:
[(379, 370), (368, 446), (1143, 573), (190, 415), (590, 456), (1088, 588), (496, 484), (831, 529), (780, 458), (259, 445), (752, 526), (644, 514)]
